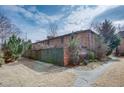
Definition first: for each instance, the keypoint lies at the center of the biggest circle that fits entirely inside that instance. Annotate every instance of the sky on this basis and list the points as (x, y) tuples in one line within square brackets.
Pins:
[(34, 21)]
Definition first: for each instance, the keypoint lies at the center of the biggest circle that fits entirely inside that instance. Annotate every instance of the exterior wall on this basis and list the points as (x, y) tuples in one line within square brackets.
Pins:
[(66, 57), (84, 39), (121, 47), (87, 40), (56, 42), (52, 43)]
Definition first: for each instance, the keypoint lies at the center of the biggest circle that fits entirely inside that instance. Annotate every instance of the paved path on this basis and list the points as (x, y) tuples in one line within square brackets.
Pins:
[(85, 78), (113, 76)]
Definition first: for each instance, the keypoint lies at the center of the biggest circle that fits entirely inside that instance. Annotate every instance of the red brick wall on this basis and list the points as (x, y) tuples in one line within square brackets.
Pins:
[(86, 40), (56, 43), (121, 47), (66, 57)]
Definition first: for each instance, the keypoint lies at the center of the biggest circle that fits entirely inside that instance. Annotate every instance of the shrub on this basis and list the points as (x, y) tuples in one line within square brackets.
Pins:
[(91, 56), (101, 48), (14, 48), (1, 59), (87, 57), (84, 59), (74, 51)]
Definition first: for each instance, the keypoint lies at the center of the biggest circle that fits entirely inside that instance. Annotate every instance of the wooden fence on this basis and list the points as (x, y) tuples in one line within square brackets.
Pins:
[(50, 55)]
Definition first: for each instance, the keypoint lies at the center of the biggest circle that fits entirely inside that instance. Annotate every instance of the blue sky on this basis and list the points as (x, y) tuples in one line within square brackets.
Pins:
[(34, 20)]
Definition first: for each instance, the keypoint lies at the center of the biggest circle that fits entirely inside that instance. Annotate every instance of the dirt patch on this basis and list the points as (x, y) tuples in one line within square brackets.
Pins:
[(22, 76), (90, 66), (32, 73), (113, 76)]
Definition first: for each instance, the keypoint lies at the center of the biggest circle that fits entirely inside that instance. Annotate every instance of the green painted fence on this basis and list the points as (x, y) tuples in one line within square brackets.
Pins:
[(50, 55)]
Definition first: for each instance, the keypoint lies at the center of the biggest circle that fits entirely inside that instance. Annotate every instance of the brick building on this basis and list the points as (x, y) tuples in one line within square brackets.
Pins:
[(121, 46), (86, 39)]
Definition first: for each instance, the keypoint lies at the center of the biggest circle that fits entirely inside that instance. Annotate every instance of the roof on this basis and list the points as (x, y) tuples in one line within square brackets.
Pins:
[(76, 32), (121, 34)]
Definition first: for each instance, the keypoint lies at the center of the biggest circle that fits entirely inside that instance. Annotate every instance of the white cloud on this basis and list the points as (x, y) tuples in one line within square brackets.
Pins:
[(39, 17), (119, 24), (82, 17), (77, 18), (32, 9), (37, 32)]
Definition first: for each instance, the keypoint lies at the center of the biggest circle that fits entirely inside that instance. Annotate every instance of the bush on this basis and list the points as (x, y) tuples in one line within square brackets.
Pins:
[(14, 48), (1, 59), (73, 47), (101, 48), (87, 57), (91, 56)]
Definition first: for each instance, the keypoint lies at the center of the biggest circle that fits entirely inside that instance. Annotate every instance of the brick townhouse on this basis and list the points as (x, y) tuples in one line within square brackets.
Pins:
[(85, 37)]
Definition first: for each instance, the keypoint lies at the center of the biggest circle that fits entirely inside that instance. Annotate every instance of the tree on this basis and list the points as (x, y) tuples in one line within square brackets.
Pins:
[(7, 28), (107, 31), (52, 30), (15, 47)]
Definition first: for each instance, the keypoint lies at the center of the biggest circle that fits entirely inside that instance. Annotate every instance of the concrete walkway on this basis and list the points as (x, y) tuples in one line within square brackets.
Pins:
[(113, 76), (85, 78)]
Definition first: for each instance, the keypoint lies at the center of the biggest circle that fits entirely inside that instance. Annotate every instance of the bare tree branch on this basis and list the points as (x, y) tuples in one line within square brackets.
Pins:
[(7, 28), (52, 30)]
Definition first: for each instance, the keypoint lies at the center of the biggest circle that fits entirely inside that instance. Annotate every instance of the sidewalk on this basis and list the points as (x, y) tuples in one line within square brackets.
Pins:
[(113, 76)]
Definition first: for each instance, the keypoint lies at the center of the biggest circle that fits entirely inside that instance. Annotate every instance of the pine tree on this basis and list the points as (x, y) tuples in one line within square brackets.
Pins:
[(107, 32)]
